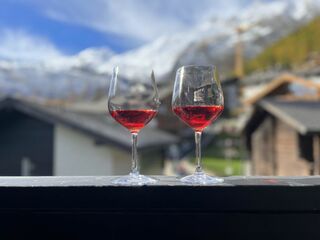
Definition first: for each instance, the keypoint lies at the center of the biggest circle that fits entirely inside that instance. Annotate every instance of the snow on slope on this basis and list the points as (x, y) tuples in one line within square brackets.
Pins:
[(211, 42), (162, 54)]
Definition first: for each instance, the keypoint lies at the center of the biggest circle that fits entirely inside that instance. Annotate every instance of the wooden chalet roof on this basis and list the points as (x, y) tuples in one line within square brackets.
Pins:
[(280, 82), (303, 116)]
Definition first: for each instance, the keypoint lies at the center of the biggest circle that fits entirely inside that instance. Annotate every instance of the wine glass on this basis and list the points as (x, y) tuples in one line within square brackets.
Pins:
[(133, 104), (198, 100)]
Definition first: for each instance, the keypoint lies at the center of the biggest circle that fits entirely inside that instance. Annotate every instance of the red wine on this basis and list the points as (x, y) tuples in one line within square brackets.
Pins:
[(198, 117), (134, 120)]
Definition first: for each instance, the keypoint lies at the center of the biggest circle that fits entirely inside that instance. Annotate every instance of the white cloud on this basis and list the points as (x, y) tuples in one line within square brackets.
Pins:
[(20, 45), (143, 20)]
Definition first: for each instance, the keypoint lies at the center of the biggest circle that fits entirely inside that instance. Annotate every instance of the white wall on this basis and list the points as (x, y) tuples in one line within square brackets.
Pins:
[(77, 154)]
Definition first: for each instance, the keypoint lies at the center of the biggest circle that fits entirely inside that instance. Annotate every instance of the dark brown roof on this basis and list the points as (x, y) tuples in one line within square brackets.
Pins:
[(98, 125)]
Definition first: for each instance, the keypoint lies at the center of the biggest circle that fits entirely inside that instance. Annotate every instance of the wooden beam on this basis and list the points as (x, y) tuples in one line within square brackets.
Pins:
[(316, 155)]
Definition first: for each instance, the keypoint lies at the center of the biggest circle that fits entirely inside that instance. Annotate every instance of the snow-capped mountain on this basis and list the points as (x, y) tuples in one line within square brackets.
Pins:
[(59, 77), (211, 42)]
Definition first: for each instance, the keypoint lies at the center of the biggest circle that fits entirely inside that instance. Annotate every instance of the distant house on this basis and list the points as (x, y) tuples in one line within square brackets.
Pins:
[(231, 92), (283, 131), (38, 139)]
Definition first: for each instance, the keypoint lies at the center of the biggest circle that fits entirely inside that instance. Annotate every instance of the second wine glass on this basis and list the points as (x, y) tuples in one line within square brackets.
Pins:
[(133, 104), (198, 101)]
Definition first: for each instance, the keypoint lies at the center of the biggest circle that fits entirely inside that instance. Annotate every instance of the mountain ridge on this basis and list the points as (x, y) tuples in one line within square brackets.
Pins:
[(211, 42)]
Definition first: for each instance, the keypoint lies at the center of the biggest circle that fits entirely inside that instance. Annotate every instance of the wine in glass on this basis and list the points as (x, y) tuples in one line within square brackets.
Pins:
[(198, 101), (133, 104)]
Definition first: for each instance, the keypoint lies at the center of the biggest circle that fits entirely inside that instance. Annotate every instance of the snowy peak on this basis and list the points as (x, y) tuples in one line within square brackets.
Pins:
[(93, 56)]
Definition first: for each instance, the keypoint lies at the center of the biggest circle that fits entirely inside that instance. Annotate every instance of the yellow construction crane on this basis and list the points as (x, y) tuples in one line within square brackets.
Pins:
[(238, 55)]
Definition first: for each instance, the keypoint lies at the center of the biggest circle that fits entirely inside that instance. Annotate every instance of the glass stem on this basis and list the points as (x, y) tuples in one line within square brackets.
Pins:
[(134, 159), (197, 136)]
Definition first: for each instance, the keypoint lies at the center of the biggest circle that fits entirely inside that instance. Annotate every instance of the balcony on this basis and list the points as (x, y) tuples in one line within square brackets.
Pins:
[(92, 208)]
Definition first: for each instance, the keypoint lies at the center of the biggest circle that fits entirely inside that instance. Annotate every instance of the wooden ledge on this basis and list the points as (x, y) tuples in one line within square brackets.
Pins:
[(92, 208)]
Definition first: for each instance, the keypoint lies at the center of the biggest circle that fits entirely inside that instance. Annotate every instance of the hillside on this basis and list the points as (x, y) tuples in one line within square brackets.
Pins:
[(290, 51)]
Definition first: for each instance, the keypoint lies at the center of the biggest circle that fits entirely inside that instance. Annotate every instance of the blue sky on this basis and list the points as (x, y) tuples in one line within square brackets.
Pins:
[(69, 26), (69, 37)]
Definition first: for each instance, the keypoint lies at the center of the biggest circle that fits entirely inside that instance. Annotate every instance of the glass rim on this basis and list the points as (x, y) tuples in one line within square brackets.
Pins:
[(204, 67)]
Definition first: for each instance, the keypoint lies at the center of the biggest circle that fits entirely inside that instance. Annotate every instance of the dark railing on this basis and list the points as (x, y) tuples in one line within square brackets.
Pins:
[(91, 208)]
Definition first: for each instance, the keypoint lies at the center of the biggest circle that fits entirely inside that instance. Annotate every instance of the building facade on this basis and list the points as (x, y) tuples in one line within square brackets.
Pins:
[(38, 140)]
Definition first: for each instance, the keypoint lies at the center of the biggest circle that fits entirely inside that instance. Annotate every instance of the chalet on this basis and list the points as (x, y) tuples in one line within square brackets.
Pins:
[(41, 139), (283, 131)]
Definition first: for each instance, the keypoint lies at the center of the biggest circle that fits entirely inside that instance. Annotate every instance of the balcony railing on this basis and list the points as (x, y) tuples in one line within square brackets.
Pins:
[(91, 208)]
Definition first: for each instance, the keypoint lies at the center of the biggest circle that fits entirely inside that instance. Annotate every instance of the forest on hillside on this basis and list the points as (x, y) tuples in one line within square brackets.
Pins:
[(290, 51)]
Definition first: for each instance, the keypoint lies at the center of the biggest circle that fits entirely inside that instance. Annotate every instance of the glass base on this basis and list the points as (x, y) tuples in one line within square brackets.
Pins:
[(133, 180), (201, 178)]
